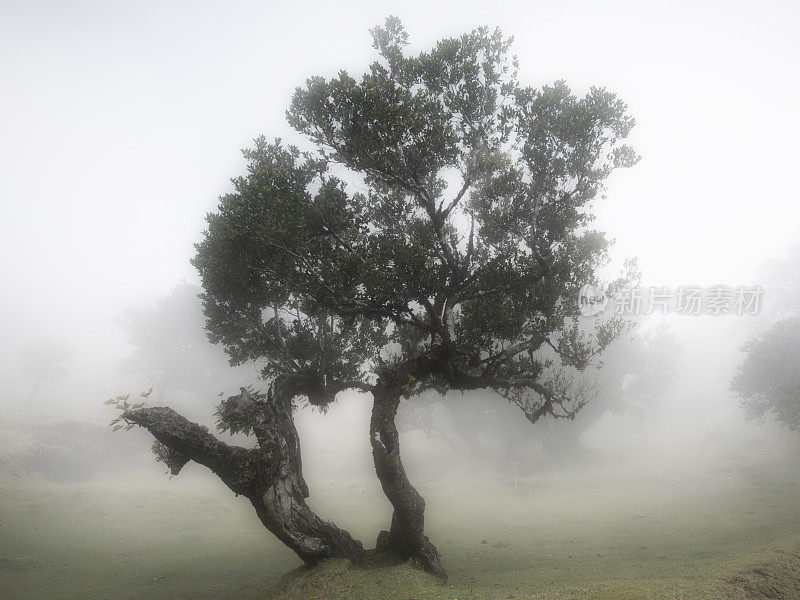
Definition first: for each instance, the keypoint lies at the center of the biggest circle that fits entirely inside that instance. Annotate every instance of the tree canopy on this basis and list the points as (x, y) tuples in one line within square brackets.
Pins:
[(434, 233)]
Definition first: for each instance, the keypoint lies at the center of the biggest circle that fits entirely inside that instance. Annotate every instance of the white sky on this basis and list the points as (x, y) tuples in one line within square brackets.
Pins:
[(120, 124)]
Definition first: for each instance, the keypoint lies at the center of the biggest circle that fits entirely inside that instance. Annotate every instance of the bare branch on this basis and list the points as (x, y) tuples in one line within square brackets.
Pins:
[(233, 464)]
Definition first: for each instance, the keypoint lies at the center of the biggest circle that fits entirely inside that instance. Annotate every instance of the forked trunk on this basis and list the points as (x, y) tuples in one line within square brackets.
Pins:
[(406, 536)]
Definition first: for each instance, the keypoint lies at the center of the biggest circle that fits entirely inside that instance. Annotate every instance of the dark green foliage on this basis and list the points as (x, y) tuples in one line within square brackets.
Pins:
[(435, 233)]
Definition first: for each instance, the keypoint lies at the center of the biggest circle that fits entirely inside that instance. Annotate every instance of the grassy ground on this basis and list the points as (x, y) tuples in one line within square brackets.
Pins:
[(112, 540), (675, 529)]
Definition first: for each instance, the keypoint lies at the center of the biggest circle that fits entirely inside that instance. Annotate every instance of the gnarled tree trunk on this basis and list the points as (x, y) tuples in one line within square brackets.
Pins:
[(406, 536), (270, 476)]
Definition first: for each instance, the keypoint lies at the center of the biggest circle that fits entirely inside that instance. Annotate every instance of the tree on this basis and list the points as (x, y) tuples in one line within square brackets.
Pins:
[(768, 380), (434, 235), (172, 351)]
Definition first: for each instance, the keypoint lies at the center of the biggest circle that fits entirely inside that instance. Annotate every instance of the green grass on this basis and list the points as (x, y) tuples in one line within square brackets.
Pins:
[(603, 531), (110, 541)]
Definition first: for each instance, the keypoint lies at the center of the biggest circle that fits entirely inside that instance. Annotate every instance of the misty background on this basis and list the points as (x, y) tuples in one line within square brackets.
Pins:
[(122, 124)]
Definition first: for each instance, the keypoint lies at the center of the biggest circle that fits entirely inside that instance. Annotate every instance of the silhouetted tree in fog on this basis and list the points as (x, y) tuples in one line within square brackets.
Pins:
[(768, 380), (434, 236), (635, 374), (172, 352)]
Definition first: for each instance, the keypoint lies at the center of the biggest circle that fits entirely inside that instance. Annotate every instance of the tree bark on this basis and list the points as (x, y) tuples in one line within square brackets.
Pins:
[(270, 476), (406, 536)]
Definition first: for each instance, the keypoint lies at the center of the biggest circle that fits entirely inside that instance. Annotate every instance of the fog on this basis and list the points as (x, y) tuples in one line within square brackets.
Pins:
[(123, 123)]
